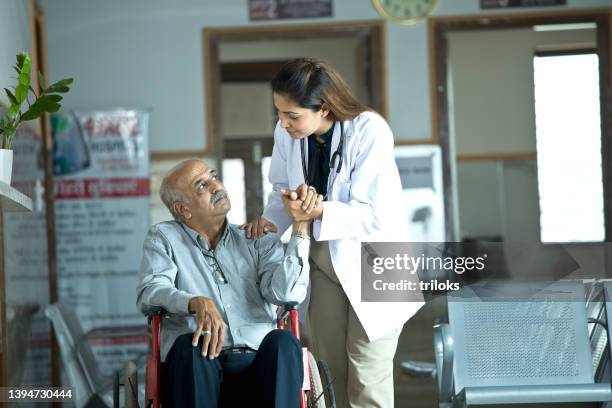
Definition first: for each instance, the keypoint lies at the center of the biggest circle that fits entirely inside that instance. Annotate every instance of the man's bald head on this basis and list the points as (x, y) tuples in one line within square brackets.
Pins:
[(172, 188)]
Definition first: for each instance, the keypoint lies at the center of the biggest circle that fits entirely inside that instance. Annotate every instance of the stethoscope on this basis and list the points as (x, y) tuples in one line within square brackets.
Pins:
[(337, 156)]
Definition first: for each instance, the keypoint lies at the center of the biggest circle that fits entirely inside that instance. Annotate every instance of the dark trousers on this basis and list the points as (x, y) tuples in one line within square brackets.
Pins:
[(271, 377)]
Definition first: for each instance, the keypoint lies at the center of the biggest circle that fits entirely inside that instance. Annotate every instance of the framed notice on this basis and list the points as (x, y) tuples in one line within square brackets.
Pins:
[(490, 4), (284, 9), (101, 181)]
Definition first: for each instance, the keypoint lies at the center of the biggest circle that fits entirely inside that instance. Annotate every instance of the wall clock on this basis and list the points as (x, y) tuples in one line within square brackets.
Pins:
[(404, 11)]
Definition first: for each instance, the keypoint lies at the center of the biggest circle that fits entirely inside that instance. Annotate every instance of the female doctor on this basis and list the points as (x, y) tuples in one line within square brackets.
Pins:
[(326, 140)]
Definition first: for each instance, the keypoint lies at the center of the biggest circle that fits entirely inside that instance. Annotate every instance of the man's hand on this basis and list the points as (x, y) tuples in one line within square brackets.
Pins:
[(210, 324), (257, 227), (303, 204)]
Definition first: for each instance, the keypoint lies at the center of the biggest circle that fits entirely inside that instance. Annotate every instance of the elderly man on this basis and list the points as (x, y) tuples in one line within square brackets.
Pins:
[(219, 341)]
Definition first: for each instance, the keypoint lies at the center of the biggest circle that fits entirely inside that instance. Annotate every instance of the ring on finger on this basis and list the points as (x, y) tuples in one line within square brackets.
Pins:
[(206, 332), (311, 188)]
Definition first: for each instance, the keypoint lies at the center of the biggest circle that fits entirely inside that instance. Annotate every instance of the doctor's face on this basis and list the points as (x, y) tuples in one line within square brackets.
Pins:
[(300, 122)]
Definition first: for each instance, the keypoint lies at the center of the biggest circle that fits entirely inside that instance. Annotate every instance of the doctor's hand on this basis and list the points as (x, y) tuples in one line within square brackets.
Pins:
[(257, 227), (210, 324)]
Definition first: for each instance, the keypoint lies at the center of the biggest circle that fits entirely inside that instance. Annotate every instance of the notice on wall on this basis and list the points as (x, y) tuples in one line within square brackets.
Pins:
[(489, 4), (101, 170), (284, 9)]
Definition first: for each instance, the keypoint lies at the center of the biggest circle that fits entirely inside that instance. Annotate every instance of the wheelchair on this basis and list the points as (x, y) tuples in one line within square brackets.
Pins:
[(317, 389)]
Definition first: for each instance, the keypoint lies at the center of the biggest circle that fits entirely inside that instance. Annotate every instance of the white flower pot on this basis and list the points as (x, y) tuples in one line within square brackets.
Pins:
[(6, 165)]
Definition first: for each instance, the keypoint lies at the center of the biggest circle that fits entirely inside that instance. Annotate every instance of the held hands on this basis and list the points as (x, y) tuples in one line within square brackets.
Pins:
[(210, 325), (303, 205)]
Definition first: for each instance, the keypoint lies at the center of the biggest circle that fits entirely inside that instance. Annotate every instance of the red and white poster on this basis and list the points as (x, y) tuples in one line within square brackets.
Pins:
[(101, 171)]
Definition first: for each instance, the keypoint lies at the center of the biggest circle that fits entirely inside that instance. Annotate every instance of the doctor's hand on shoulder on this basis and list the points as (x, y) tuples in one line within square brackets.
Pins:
[(257, 227)]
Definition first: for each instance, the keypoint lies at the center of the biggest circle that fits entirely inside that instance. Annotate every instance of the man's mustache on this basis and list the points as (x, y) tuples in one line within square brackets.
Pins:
[(217, 196)]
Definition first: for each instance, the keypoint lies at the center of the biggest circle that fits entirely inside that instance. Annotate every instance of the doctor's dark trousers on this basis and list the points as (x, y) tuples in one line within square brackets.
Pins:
[(270, 377)]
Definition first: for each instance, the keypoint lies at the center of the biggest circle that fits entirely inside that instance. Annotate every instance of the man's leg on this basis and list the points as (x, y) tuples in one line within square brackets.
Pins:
[(278, 371), (370, 366), (190, 380)]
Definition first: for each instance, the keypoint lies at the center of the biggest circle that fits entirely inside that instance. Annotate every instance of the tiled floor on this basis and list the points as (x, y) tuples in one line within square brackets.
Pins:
[(416, 343)]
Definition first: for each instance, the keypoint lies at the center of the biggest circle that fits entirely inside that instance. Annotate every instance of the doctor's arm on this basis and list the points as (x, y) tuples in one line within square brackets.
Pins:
[(274, 218)]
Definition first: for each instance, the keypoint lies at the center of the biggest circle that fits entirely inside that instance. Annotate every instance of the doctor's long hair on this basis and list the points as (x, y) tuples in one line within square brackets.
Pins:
[(311, 82)]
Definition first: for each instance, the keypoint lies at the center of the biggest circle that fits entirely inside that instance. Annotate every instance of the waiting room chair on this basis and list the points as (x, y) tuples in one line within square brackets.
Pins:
[(513, 344), (90, 387)]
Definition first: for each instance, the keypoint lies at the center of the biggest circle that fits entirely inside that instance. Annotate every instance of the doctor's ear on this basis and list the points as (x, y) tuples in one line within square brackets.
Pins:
[(324, 110)]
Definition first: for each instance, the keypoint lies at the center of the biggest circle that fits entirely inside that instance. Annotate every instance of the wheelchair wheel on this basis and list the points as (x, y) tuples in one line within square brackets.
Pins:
[(316, 386), (327, 379)]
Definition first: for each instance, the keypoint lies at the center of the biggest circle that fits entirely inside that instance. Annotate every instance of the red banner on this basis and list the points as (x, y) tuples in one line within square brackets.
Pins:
[(101, 188)]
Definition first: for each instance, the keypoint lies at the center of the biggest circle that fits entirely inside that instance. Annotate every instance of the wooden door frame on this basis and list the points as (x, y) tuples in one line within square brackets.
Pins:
[(439, 27), (372, 31), (39, 51)]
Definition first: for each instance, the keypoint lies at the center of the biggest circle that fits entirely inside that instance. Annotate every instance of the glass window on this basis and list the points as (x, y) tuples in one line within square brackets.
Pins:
[(233, 179), (568, 137), (265, 183)]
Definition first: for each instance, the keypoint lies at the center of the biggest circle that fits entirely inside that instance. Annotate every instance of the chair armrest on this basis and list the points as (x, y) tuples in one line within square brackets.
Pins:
[(289, 313), (154, 311), (444, 351), (110, 332), (419, 369)]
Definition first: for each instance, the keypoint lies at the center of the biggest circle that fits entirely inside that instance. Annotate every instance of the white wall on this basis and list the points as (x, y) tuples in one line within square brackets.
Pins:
[(498, 198), (148, 53), (492, 80), (14, 38)]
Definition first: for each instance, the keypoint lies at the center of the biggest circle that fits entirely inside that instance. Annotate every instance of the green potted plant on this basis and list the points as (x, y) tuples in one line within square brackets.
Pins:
[(34, 104)]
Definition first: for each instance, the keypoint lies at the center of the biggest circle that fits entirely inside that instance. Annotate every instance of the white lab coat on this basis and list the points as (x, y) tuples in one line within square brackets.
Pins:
[(364, 205)]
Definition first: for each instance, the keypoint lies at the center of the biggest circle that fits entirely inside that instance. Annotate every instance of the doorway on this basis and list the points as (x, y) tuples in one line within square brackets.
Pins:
[(239, 64), (507, 157)]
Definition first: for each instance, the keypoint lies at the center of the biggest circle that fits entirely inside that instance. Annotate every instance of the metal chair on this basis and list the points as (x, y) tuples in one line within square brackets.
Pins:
[(91, 388), (511, 344), (19, 318)]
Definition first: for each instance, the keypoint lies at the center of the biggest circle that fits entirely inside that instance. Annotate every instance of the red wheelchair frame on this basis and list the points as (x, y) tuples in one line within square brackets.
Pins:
[(153, 374)]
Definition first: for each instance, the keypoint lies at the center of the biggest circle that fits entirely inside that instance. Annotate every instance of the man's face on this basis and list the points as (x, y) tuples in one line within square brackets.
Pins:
[(297, 121), (205, 195)]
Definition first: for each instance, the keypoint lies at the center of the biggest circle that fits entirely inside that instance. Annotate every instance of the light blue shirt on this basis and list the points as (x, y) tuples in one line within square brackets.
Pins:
[(245, 278)]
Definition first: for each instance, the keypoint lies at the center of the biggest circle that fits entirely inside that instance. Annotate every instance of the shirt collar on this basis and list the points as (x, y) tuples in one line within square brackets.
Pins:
[(201, 242), (327, 136)]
